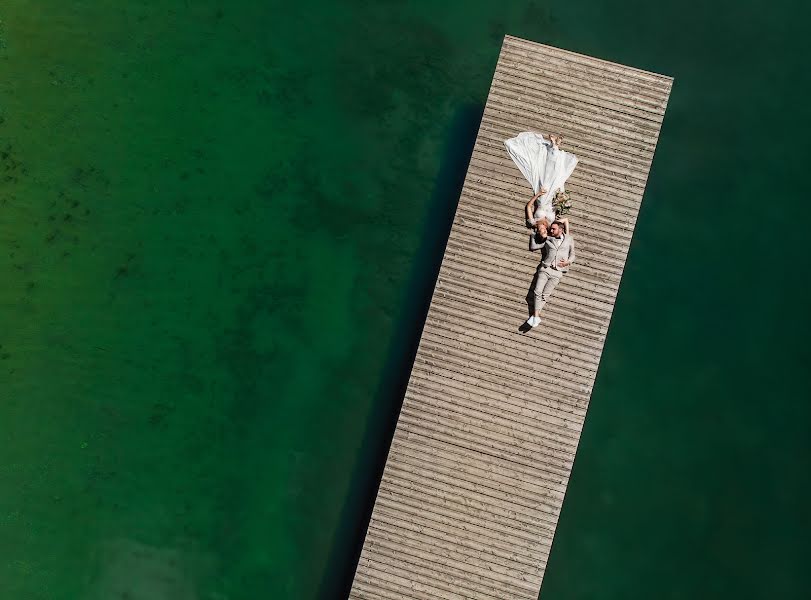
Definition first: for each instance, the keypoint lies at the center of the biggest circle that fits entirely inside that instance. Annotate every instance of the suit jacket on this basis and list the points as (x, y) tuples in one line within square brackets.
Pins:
[(551, 254)]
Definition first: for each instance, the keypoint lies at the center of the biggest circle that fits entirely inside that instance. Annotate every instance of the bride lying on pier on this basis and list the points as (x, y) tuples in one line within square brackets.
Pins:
[(545, 166)]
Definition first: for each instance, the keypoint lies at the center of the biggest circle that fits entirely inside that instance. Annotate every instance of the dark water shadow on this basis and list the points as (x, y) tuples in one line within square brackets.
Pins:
[(357, 510)]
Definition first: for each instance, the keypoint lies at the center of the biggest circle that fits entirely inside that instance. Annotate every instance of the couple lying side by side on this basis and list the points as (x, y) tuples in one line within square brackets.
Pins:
[(556, 244), (547, 168)]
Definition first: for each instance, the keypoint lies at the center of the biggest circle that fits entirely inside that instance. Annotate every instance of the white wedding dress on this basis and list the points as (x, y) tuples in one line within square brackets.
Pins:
[(544, 166)]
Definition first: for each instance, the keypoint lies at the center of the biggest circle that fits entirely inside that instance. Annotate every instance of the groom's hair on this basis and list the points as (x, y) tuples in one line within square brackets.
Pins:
[(559, 224)]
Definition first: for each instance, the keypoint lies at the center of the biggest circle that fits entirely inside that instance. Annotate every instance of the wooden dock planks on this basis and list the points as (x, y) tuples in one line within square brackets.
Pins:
[(485, 442)]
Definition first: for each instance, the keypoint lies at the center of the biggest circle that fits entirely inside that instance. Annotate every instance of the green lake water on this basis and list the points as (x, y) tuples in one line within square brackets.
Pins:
[(220, 222)]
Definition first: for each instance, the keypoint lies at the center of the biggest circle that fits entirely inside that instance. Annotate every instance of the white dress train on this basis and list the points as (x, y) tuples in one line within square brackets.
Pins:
[(543, 165)]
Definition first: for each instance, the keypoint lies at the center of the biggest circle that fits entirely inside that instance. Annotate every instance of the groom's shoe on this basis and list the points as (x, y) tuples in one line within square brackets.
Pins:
[(533, 321)]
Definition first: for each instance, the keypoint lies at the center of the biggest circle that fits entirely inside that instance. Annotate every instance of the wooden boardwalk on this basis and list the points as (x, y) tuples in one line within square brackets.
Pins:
[(484, 445)]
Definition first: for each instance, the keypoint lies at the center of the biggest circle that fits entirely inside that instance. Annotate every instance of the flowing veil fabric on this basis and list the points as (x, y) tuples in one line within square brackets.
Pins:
[(543, 165)]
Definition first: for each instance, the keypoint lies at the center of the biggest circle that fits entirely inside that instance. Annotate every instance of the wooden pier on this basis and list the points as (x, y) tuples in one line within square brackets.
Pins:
[(485, 442)]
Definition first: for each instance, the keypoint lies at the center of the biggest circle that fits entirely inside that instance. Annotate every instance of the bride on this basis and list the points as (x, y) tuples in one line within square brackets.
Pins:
[(545, 166)]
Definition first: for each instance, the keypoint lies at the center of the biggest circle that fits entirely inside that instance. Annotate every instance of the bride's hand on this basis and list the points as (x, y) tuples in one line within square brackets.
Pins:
[(543, 190)]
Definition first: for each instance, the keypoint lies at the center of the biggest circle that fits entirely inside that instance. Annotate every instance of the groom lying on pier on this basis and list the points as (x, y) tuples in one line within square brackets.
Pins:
[(557, 253)]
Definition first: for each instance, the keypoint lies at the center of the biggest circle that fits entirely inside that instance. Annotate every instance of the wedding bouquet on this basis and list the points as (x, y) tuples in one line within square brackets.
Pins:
[(562, 203)]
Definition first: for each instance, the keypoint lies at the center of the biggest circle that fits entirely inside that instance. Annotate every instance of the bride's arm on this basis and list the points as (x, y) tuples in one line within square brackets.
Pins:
[(530, 210)]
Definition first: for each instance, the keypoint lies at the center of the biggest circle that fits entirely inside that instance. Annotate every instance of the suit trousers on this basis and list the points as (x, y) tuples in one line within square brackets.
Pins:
[(548, 279)]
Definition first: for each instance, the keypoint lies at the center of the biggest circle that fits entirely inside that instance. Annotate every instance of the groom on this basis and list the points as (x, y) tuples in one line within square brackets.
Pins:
[(557, 254)]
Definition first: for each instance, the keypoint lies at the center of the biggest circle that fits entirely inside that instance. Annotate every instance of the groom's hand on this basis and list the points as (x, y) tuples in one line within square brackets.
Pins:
[(563, 263)]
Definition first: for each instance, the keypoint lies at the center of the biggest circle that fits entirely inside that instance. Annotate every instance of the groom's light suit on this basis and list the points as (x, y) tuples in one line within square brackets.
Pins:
[(549, 273)]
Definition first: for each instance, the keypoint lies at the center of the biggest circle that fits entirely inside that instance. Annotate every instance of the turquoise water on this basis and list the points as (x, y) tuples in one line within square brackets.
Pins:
[(219, 222)]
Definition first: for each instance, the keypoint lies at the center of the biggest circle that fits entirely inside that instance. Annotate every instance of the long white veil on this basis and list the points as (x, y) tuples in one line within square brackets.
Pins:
[(543, 165)]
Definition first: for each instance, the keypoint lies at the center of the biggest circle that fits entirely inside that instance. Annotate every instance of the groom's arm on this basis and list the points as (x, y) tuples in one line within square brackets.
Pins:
[(570, 258), (536, 242)]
